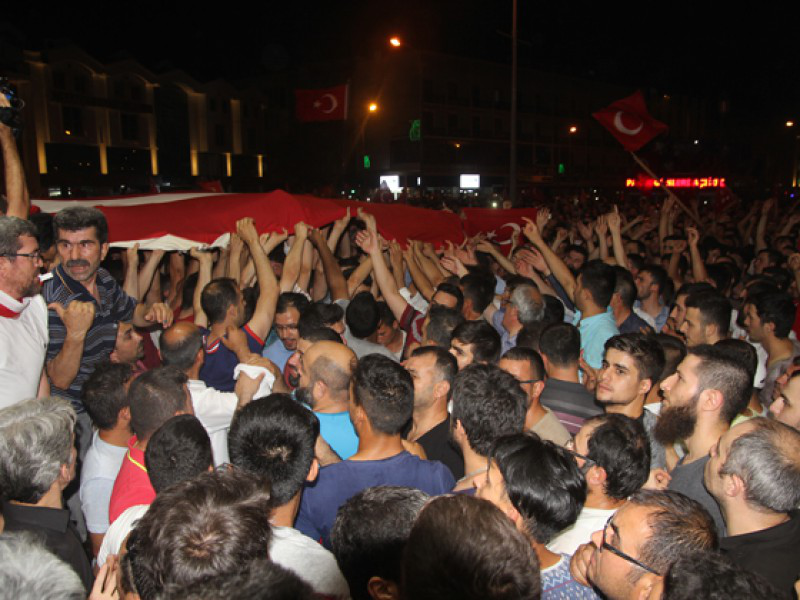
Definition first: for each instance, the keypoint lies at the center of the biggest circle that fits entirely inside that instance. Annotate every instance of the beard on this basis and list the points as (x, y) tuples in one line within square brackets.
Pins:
[(676, 423), (32, 289), (303, 394)]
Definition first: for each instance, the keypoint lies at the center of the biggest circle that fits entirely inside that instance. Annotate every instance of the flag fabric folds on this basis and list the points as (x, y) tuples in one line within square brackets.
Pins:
[(628, 121), (498, 225)]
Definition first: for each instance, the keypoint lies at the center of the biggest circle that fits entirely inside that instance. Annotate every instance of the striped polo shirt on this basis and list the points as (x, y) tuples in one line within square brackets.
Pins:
[(115, 306)]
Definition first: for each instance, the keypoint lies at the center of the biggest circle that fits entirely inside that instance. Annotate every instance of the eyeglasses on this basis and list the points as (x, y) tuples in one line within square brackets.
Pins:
[(606, 546), (286, 327), (35, 255)]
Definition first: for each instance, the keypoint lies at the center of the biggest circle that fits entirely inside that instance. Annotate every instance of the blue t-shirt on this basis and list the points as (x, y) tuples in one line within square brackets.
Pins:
[(340, 481), (595, 332), (217, 370), (277, 353), (338, 431)]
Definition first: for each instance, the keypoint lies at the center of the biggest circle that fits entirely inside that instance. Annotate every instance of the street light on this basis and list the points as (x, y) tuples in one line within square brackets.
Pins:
[(790, 123), (373, 106), (395, 42), (573, 129)]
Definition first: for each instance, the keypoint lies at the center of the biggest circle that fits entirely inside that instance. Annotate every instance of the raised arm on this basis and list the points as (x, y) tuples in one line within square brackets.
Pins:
[(294, 259), (554, 263), (130, 285), (339, 227), (206, 261), (761, 229), (359, 274), (148, 271), (261, 321), (333, 273), (417, 275), (16, 187), (234, 268), (368, 240), (698, 267), (614, 226), (491, 250)]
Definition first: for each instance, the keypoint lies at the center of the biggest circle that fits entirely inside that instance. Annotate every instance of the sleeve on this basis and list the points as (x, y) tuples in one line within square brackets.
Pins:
[(255, 343), (409, 314), (305, 522), (214, 409), (122, 305), (562, 294)]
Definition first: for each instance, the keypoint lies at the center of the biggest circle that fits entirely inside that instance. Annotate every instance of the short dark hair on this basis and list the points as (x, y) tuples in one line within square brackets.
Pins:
[(530, 356), (214, 524), (645, 351), (598, 279), (452, 290), (561, 344), (274, 437), (386, 392), (362, 315), (289, 300), (529, 335), (178, 450), (624, 286), (370, 533), (319, 314), (321, 334), (542, 481), (741, 351), (714, 308), (678, 525), (674, 352), (620, 446), (483, 338), (154, 397), (445, 365), (104, 394), (777, 309), (181, 353), (489, 403), (577, 248), (442, 321), (479, 288), (219, 295), (713, 576), (553, 310), (718, 371), (465, 548), (658, 275), (262, 579), (75, 218)]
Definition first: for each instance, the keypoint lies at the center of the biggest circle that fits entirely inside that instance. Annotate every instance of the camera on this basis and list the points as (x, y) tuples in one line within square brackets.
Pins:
[(11, 116)]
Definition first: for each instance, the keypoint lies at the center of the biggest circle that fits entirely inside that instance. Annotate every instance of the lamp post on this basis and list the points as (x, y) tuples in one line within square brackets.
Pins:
[(512, 187)]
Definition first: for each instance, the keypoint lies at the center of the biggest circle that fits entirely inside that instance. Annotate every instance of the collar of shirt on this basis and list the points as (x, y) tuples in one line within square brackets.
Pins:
[(56, 519), (10, 307), (78, 291)]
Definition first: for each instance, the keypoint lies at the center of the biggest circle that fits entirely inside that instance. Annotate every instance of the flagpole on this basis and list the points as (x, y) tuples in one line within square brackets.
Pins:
[(670, 193)]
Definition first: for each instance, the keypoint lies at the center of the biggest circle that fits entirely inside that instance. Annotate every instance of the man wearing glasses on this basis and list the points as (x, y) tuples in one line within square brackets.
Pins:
[(613, 454), (628, 557), (23, 314)]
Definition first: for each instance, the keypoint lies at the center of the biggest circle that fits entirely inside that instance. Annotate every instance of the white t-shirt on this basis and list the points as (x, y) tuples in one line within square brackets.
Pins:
[(215, 410), (589, 521), (119, 530), (308, 560), (23, 344), (100, 468)]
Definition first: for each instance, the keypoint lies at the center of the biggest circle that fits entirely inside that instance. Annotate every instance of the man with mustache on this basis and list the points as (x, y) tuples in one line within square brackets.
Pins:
[(86, 306)]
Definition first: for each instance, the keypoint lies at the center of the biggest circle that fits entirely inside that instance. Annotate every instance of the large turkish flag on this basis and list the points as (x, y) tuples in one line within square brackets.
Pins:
[(328, 104), (629, 122)]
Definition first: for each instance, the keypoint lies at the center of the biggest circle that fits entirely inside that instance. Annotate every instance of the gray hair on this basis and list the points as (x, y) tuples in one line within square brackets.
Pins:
[(28, 571), (767, 459), (11, 228), (528, 302), (35, 440)]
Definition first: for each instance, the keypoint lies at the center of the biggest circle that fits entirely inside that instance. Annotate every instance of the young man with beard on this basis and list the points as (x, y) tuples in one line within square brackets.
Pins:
[(23, 314), (701, 399)]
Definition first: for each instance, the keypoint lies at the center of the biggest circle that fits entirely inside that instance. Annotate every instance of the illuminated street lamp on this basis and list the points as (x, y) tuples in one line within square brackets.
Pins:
[(790, 123), (373, 106), (573, 129), (395, 42)]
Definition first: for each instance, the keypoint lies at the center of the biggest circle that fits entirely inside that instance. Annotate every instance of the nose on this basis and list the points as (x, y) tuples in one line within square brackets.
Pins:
[(597, 538), (776, 407), (74, 252), (667, 383)]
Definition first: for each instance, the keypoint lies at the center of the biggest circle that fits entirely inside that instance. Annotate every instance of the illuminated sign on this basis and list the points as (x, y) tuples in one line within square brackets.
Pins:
[(469, 182), (392, 182), (681, 182)]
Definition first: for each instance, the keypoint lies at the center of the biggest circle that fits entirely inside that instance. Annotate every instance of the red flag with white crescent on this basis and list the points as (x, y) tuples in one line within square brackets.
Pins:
[(498, 225), (628, 121), (328, 104)]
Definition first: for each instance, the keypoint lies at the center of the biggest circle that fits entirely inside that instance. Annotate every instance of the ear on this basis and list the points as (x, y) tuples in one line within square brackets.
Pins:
[(538, 388), (458, 432), (467, 306), (645, 587), (644, 387), (382, 589), (711, 400), (615, 300), (103, 250), (200, 357), (318, 390), (313, 472), (596, 476), (441, 389), (734, 486), (124, 415)]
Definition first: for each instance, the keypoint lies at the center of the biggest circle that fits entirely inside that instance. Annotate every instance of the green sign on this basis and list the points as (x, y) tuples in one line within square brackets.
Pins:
[(561, 169), (415, 131), (367, 162)]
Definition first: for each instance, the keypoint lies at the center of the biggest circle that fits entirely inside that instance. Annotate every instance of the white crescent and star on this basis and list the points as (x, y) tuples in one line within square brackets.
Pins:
[(334, 103), (493, 234), (621, 127)]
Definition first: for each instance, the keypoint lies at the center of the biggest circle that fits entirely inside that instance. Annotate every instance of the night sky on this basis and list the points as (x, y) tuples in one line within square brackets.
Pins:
[(749, 59)]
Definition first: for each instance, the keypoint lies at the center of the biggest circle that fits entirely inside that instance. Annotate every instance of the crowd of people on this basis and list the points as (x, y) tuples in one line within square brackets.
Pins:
[(610, 409)]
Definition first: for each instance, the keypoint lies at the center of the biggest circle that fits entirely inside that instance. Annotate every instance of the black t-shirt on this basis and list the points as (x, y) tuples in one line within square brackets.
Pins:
[(773, 553), (438, 446)]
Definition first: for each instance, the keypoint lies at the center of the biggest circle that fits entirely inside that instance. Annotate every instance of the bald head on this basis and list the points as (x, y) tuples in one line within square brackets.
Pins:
[(330, 363), (180, 345)]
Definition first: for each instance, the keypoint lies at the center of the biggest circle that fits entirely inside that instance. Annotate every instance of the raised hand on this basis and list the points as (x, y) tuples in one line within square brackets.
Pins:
[(77, 316), (542, 217), (246, 229), (367, 241)]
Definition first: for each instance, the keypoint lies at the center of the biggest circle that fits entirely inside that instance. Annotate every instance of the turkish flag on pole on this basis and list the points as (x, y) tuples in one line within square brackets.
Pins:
[(629, 122), (329, 104)]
